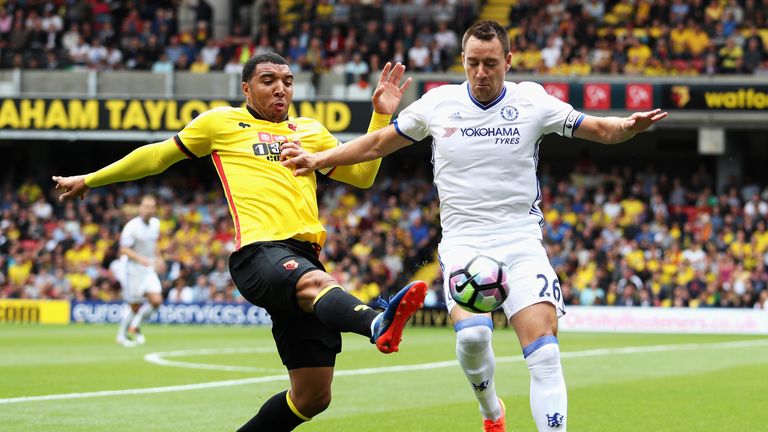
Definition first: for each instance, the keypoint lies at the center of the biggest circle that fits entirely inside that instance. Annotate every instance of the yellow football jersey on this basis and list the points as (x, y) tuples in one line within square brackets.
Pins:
[(266, 201)]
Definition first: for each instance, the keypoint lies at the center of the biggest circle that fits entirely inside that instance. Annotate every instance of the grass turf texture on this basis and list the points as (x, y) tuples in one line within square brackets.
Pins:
[(706, 386)]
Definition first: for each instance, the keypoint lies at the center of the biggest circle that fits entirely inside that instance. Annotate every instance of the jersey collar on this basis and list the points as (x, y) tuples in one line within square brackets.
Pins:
[(490, 104)]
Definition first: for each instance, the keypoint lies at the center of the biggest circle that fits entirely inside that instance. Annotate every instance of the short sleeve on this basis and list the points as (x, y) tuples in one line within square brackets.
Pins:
[(195, 140), (555, 115), (413, 121), (127, 237)]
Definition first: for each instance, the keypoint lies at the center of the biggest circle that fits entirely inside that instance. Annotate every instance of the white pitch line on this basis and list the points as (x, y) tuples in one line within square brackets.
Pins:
[(388, 369), (159, 358)]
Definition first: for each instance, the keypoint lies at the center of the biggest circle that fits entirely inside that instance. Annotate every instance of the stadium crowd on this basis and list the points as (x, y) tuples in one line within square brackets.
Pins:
[(617, 238), (354, 37)]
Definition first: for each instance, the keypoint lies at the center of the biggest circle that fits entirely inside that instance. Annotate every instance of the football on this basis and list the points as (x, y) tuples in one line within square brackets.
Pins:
[(480, 286)]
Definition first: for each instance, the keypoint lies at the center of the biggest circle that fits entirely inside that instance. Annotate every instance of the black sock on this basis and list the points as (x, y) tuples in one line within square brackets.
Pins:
[(274, 416), (344, 312)]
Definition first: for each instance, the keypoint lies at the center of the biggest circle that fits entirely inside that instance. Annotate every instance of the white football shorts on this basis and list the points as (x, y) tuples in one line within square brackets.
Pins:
[(530, 277), (136, 281)]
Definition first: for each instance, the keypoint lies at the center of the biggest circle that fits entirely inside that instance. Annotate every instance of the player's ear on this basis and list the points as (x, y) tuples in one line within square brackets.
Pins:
[(246, 89), (508, 62)]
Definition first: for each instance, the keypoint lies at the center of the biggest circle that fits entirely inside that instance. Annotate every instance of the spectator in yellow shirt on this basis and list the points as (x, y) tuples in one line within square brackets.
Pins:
[(579, 66), (29, 191), (714, 11), (623, 10), (638, 50), (20, 269), (633, 66), (531, 58), (561, 68), (730, 57), (199, 66), (698, 40), (678, 40), (655, 68)]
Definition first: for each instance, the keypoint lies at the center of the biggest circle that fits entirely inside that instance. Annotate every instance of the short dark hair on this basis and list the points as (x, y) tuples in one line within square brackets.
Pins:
[(268, 57), (487, 30)]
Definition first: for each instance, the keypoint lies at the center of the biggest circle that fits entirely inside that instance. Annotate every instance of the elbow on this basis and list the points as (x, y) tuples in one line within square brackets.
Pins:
[(366, 184), (374, 153), (363, 183)]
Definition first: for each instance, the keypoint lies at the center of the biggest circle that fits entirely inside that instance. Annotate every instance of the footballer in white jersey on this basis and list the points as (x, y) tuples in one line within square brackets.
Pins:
[(139, 282), (485, 155), (485, 158), (137, 277), (486, 135)]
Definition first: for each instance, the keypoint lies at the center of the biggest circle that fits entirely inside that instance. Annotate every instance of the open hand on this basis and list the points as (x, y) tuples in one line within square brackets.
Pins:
[(389, 92), (641, 121), (70, 187)]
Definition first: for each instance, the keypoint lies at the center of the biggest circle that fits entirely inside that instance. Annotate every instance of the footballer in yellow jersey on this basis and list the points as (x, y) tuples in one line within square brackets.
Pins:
[(266, 201), (277, 232)]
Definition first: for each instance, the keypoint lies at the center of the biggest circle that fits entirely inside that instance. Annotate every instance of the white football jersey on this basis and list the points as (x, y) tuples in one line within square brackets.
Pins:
[(485, 156), (141, 237)]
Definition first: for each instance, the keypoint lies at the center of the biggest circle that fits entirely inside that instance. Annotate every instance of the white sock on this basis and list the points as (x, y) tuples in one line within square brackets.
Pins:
[(127, 317), (475, 354), (142, 313), (549, 400)]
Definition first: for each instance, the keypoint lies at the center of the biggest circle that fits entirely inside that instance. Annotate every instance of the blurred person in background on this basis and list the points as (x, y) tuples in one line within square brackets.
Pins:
[(139, 266)]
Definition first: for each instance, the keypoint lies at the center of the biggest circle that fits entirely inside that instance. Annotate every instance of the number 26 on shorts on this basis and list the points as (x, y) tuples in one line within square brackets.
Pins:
[(545, 292)]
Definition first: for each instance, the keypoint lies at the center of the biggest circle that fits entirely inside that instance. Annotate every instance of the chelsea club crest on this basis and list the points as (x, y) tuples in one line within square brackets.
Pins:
[(509, 113)]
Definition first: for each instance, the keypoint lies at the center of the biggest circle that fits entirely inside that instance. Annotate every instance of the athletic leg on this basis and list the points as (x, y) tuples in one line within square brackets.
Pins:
[(319, 293), (128, 313), (152, 291), (536, 328), (475, 354), (309, 395)]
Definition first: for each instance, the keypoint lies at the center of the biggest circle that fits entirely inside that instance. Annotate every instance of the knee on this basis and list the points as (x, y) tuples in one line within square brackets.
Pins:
[(310, 285), (156, 301), (313, 403), (544, 352), (473, 334)]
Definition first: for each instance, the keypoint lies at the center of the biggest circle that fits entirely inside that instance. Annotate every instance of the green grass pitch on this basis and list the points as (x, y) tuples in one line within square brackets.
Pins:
[(215, 379)]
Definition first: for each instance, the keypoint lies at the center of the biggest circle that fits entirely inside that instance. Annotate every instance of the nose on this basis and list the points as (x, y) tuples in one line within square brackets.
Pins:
[(481, 72), (279, 89)]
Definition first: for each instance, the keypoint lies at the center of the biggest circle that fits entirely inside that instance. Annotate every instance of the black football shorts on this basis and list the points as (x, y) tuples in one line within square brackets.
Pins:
[(266, 274)]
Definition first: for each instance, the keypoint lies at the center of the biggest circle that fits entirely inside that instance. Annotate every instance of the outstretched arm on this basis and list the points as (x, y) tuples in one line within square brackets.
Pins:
[(614, 130), (144, 161), (365, 148), (386, 99)]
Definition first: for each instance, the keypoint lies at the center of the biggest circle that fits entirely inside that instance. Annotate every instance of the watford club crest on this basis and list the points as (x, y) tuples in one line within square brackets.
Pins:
[(681, 95)]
